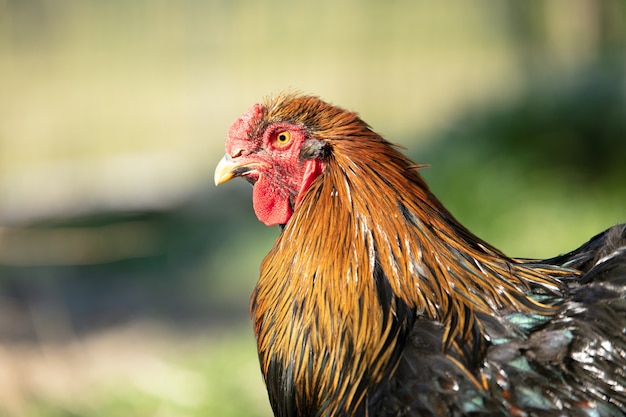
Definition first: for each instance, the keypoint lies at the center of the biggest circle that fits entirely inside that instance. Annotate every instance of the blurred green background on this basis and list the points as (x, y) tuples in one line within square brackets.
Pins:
[(125, 274)]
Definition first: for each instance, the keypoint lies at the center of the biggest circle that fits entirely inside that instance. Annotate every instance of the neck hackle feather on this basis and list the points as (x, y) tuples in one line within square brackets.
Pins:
[(367, 251)]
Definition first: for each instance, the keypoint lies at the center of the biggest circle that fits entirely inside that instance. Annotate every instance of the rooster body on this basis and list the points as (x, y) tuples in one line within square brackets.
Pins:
[(376, 301)]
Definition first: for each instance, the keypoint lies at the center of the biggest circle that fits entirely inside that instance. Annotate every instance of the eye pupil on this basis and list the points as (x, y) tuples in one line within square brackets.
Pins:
[(283, 138)]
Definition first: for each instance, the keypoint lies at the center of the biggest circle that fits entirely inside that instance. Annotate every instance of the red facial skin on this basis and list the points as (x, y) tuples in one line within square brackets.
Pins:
[(272, 164)]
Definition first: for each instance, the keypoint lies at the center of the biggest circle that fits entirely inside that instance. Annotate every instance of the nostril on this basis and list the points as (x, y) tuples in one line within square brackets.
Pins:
[(237, 153)]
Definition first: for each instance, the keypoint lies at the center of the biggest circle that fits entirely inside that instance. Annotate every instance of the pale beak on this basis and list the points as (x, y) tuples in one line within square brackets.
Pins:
[(228, 168), (224, 170)]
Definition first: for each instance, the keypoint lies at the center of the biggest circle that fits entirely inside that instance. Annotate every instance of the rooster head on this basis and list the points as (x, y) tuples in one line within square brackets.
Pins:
[(281, 147)]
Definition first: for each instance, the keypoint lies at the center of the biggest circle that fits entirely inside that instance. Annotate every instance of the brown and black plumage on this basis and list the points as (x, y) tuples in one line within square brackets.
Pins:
[(376, 301)]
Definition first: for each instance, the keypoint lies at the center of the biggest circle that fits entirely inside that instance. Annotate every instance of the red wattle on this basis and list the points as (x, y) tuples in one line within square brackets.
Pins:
[(270, 207)]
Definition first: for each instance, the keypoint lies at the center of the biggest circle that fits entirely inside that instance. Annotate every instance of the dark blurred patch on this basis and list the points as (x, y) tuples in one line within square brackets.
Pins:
[(62, 277), (572, 130)]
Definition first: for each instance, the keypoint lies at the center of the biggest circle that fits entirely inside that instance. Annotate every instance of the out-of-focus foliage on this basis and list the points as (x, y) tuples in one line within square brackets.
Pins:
[(125, 275), (541, 173)]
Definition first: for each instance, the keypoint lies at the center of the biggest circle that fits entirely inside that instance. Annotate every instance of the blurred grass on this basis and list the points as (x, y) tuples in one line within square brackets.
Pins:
[(125, 275), (164, 373)]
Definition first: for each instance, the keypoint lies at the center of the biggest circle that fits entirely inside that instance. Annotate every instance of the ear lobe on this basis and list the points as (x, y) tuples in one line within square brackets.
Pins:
[(312, 169)]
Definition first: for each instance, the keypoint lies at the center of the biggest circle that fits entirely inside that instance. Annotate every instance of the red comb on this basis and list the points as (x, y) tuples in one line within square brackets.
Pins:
[(241, 127)]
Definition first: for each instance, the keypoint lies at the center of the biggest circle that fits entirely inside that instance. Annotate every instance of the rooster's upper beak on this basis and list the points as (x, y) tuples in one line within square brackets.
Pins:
[(228, 168), (224, 170)]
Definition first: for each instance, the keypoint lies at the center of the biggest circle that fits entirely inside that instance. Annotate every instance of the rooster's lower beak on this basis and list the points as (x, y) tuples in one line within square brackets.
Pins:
[(228, 168)]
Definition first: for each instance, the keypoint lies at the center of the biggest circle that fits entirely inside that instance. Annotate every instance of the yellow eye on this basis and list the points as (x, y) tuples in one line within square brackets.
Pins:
[(283, 138)]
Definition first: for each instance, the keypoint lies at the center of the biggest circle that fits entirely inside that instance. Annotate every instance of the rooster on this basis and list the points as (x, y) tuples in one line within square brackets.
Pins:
[(376, 301)]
